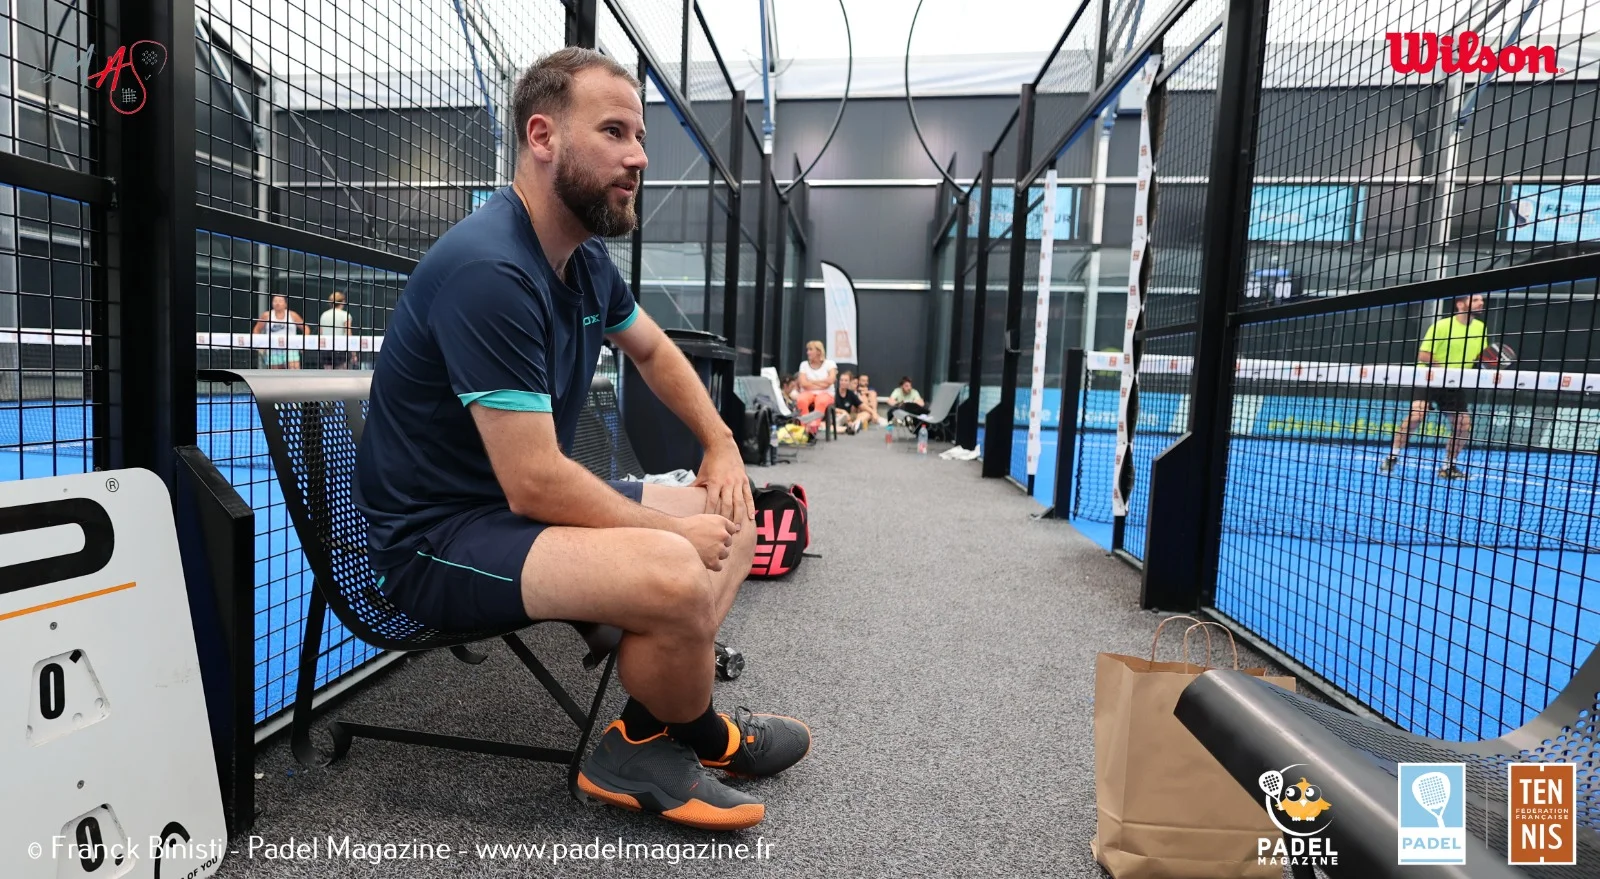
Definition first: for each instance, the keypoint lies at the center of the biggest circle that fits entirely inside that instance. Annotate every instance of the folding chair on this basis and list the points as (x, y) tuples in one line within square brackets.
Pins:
[(941, 412), (313, 422)]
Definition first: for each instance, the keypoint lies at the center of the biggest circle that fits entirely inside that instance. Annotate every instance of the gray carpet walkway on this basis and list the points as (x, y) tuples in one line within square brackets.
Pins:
[(942, 650)]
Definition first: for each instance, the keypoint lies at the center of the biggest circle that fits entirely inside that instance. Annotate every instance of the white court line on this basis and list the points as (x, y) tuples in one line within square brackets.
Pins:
[(1494, 475)]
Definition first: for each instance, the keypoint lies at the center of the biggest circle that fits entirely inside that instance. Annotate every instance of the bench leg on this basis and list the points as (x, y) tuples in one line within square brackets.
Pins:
[(306, 751), (587, 729)]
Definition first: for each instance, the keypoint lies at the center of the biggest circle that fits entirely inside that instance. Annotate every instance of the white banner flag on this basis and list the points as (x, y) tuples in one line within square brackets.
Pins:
[(1137, 256), (1041, 324), (839, 300)]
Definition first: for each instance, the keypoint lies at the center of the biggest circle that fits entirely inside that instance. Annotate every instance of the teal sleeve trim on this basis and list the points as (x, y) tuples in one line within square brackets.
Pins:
[(511, 401), (627, 322)]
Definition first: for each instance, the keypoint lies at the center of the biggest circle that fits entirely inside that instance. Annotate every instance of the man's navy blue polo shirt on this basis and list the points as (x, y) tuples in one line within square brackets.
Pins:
[(483, 319)]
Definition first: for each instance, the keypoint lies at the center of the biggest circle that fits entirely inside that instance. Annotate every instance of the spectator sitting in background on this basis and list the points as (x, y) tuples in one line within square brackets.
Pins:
[(907, 399), (791, 389), (817, 376), (849, 415), (869, 399)]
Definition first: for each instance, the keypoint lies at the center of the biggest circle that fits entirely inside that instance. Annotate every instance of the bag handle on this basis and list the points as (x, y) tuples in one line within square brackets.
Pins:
[(1156, 639), (1207, 625)]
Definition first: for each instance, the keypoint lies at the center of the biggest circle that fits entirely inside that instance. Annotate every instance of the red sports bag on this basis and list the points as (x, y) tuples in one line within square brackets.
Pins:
[(782, 529)]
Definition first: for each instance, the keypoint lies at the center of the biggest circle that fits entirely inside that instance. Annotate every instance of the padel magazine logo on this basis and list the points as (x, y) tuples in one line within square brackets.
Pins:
[(1433, 813), (1426, 51), (1296, 805)]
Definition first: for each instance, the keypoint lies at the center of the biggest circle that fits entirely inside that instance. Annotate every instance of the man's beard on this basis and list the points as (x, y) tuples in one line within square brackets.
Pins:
[(589, 199)]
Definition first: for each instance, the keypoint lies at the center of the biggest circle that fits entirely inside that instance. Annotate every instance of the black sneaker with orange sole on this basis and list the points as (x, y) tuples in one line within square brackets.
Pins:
[(766, 744), (662, 776)]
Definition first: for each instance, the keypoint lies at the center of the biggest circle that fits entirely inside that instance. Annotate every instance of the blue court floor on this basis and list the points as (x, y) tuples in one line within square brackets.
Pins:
[(1458, 610)]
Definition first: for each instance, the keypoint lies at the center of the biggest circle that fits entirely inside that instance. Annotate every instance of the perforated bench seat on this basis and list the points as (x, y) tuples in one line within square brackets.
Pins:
[(1251, 727)]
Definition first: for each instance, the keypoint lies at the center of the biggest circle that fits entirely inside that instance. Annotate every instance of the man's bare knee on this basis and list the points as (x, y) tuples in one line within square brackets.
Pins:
[(683, 590)]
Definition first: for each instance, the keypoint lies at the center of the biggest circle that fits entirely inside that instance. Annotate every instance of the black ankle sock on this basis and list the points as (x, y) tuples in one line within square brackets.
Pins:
[(639, 721), (706, 734)]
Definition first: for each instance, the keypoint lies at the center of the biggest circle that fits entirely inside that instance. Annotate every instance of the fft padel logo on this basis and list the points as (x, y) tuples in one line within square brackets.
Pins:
[(1433, 813), (1297, 807)]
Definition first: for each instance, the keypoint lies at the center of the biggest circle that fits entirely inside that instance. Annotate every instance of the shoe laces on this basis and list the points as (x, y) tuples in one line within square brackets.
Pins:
[(749, 726)]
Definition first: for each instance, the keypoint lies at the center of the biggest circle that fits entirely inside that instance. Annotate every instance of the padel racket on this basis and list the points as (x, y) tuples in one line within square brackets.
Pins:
[(1432, 791)]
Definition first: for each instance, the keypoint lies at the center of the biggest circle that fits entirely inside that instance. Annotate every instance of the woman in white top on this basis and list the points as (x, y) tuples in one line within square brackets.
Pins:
[(281, 353), (817, 376)]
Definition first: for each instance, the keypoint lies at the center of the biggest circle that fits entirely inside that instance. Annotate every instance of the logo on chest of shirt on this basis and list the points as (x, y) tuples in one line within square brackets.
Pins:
[(591, 319)]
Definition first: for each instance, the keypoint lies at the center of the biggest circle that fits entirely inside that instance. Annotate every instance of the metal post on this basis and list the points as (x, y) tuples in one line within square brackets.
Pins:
[(802, 200), (1073, 379), (582, 16), (935, 307), (636, 258), (683, 56), (779, 325), (1186, 481), (958, 299), (156, 310), (711, 238), (1097, 189), (730, 288), (967, 417), (758, 347), (1002, 418)]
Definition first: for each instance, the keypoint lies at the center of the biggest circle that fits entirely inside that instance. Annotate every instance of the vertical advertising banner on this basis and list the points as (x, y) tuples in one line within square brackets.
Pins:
[(839, 299), (1137, 255), (1041, 324)]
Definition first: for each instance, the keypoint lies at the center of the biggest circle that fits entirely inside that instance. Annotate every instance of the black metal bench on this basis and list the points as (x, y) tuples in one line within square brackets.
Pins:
[(1251, 727), (313, 422)]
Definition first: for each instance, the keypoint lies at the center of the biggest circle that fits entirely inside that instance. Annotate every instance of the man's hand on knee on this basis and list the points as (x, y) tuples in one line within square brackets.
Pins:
[(711, 535)]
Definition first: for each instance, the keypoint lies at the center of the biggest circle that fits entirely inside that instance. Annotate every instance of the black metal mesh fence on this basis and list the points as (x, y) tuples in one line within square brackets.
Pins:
[(52, 363), (55, 370), (1435, 523), (1395, 479), (1371, 173)]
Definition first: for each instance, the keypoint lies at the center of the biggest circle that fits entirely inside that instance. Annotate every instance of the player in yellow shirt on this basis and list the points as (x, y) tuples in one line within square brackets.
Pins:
[(1455, 341)]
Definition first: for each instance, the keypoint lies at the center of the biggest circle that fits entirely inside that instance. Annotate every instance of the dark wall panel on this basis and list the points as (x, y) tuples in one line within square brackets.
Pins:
[(894, 334)]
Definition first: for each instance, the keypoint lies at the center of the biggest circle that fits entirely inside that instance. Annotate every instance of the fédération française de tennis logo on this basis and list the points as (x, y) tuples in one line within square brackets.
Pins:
[(1433, 813), (1542, 813)]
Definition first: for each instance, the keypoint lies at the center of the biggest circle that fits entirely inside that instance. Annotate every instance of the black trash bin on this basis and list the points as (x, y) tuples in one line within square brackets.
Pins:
[(663, 442)]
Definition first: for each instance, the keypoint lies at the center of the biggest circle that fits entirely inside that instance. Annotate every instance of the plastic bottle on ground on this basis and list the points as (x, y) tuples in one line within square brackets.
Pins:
[(922, 440)]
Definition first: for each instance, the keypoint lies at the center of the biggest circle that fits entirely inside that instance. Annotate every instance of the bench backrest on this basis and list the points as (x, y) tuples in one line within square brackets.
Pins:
[(313, 429), (945, 395), (601, 444), (313, 424), (771, 375)]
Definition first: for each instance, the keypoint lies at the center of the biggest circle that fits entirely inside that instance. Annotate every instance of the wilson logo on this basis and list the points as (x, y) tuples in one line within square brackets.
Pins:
[(1426, 52)]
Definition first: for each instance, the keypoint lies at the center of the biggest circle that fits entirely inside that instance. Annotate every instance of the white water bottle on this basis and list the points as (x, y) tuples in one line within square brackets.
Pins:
[(922, 440)]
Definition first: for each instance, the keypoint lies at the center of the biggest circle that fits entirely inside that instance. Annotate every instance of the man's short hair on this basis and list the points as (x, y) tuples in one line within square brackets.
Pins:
[(545, 88)]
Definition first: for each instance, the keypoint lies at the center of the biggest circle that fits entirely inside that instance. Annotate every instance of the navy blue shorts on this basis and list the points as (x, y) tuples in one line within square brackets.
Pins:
[(467, 573)]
